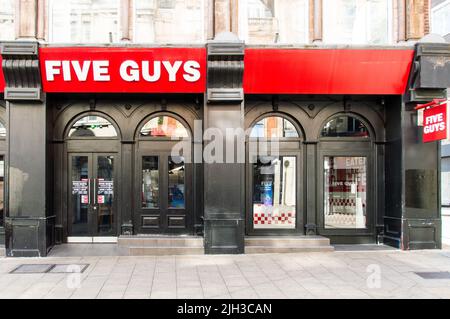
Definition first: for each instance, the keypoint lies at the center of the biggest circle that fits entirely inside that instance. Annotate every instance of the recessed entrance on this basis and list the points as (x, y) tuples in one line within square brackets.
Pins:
[(274, 181), (92, 204), (93, 166), (163, 179), (345, 173)]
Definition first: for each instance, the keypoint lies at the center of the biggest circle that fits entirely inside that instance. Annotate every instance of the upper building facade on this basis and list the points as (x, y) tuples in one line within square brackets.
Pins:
[(257, 22)]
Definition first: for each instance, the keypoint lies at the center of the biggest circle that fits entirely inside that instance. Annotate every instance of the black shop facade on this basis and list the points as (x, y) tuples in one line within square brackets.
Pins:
[(98, 144)]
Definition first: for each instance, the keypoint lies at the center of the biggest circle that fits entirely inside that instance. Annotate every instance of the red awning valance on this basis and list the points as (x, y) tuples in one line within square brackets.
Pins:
[(266, 71), (327, 71)]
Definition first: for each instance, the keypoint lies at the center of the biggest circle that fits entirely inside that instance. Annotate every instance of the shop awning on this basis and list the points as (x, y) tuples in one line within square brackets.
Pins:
[(183, 70), (327, 71)]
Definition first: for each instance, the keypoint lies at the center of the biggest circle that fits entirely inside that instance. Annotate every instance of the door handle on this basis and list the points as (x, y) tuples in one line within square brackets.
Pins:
[(95, 192), (89, 191)]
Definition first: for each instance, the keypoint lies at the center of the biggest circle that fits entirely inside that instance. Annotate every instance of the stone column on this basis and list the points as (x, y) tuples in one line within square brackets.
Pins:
[(222, 16), (400, 20), (125, 22), (224, 183), (42, 19), (417, 19), (27, 18), (316, 20), (28, 227)]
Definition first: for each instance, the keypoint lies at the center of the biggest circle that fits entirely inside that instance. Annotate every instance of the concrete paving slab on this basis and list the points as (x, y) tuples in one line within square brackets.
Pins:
[(341, 274)]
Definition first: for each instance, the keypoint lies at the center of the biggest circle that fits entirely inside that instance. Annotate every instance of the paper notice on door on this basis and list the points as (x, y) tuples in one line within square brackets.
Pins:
[(105, 187), (353, 188), (100, 199), (84, 199), (360, 219), (80, 187)]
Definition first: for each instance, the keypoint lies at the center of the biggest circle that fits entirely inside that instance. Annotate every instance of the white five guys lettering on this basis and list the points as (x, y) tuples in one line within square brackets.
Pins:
[(129, 70), (434, 123)]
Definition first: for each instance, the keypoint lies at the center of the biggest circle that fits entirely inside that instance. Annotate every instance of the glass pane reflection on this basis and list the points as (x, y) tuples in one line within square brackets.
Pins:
[(150, 182), (176, 182), (274, 127), (164, 126), (105, 194), (92, 126), (345, 197), (80, 195), (345, 126), (274, 192), (2, 130)]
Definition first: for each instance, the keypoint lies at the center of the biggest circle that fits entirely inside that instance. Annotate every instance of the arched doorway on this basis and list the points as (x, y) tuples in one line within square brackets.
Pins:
[(274, 177), (346, 183), (163, 177), (93, 163)]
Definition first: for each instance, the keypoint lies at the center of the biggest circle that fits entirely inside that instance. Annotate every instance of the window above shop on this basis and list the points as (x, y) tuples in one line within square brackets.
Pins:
[(7, 28), (357, 21), (164, 126), (83, 21), (273, 21), (345, 126), (169, 21), (92, 126), (2, 130), (273, 127), (440, 18)]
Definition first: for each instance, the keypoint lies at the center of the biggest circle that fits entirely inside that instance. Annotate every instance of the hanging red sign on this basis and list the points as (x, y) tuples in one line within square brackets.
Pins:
[(435, 123)]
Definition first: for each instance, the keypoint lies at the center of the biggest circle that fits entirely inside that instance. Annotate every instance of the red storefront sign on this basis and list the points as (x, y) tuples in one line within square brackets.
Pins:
[(327, 71), (183, 70), (435, 123), (123, 70)]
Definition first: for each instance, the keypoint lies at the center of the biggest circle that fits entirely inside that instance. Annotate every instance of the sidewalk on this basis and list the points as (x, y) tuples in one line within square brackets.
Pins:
[(346, 273)]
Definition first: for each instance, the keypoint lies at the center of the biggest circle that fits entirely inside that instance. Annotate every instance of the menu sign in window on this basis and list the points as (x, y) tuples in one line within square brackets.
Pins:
[(80, 187), (105, 187)]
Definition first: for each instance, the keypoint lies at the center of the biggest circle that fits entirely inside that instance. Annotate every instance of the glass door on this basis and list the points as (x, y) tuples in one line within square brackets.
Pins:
[(274, 201), (104, 204), (163, 199), (345, 192), (91, 196), (345, 205)]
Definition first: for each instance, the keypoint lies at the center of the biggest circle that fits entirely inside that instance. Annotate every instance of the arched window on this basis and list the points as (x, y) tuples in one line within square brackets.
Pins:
[(345, 126), (2, 130), (164, 126), (92, 126), (273, 127)]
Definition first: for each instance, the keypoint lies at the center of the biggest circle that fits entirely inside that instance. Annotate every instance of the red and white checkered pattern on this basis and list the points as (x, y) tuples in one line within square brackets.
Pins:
[(344, 202), (269, 219), (342, 211)]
